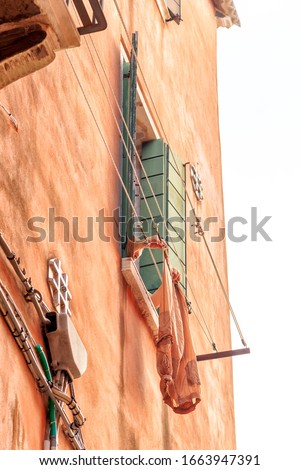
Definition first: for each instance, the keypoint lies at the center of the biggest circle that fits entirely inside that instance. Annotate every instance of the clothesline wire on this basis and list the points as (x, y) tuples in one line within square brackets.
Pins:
[(208, 336), (182, 180), (112, 159), (146, 176), (225, 294), (111, 156), (119, 175)]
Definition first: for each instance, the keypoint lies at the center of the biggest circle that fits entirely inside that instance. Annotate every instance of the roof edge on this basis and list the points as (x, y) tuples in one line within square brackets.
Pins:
[(226, 14)]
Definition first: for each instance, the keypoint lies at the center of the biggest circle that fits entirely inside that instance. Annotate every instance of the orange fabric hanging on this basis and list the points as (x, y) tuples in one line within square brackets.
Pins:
[(176, 358)]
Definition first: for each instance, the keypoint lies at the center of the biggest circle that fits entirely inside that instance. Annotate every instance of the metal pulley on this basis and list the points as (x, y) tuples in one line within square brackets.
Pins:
[(67, 350)]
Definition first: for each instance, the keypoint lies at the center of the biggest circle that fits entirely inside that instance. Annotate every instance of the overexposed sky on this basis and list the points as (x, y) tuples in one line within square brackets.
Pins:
[(259, 106)]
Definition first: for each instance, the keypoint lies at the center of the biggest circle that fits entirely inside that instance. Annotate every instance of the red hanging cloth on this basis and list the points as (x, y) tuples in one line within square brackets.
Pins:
[(176, 358)]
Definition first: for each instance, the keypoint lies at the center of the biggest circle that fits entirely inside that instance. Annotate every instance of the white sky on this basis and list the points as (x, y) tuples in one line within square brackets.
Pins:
[(259, 103)]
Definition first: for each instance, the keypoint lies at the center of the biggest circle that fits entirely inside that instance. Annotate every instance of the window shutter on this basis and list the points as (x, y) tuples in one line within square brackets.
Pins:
[(129, 113), (167, 186), (176, 215), (126, 167), (154, 162)]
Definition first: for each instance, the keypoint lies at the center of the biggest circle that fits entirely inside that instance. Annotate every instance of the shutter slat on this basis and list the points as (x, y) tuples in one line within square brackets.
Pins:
[(153, 148), (176, 178), (156, 183), (153, 206), (175, 198)]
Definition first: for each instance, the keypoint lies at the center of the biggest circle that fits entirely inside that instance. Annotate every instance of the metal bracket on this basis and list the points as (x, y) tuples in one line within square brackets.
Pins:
[(198, 227), (90, 25), (175, 18), (196, 182), (221, 354), (32, 294), (67, 350)]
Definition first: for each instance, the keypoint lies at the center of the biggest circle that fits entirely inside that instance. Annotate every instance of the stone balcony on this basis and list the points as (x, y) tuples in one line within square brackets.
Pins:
[(31, 31)]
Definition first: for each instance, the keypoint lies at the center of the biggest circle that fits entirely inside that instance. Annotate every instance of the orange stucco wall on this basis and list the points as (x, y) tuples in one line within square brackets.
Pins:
[(58, 160)]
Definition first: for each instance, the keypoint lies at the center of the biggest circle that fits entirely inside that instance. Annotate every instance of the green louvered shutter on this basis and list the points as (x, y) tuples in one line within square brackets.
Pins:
[(154, 162), (176, 215), (169, 191), (127, 169), (129, 113)]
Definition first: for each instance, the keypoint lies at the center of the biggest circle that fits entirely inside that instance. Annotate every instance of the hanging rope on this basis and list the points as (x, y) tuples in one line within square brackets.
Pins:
[(32, 294), (27, 346), (183, 182)]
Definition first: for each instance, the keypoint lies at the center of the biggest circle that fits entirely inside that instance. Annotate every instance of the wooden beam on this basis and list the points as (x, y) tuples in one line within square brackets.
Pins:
[(219, 355)]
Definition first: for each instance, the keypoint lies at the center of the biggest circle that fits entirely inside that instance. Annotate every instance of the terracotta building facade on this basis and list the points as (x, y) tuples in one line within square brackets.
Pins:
[(109, 136)]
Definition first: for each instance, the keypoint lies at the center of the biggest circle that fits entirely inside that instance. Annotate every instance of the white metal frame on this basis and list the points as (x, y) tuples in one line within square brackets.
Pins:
[(58, 283)]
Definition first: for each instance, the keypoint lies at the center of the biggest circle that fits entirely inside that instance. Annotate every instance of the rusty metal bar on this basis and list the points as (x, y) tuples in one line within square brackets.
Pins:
[(221, 354), (90, 25)]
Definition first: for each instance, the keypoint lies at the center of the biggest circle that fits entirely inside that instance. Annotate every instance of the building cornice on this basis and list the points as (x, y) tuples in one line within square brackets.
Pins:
[(226, 13)]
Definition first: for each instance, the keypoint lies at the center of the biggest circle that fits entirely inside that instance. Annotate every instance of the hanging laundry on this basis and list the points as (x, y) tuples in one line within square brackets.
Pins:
[(176, 358), (138, 246)]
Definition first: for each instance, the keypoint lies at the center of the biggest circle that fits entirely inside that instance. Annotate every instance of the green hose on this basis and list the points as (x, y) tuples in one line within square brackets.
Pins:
[(51, 406)]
